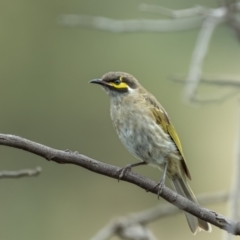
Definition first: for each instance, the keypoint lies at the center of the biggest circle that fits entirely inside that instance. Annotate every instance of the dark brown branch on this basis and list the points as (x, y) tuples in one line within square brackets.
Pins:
[(20, 173), (172, 197)]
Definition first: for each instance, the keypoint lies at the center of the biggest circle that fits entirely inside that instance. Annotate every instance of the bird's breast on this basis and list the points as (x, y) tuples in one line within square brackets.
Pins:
[(141, 135)]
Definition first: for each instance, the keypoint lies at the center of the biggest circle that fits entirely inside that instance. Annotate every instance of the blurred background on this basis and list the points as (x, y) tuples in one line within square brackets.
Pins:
[(45, 97)]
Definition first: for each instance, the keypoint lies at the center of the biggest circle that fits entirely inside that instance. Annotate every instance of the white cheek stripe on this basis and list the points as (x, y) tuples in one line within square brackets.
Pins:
[(131, 90)]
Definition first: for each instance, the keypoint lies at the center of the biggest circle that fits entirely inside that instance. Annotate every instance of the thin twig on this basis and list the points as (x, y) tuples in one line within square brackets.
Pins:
[(135, 25), (191, 12), (221, 81), (233, 203), (199, 53), (20, 173), (172, 197)]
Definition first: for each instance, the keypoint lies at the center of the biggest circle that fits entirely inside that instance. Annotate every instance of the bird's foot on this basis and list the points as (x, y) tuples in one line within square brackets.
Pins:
[(123, 171), (69, 151), (159, 187)]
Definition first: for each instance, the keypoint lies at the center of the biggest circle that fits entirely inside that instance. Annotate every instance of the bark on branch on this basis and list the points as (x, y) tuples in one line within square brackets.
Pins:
[(172, 197)]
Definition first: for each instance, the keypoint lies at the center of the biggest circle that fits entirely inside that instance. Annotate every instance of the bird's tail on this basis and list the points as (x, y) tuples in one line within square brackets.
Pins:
[(195, 224)]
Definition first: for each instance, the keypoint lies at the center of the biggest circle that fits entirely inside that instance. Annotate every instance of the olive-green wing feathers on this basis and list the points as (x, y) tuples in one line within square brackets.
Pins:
[(162, 119), (172, 132)]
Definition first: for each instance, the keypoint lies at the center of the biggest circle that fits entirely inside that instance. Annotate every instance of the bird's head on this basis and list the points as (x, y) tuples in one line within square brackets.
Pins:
[(117, 83)]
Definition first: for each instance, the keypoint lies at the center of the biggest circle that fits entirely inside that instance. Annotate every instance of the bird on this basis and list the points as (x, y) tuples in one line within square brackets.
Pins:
[(145, 129)]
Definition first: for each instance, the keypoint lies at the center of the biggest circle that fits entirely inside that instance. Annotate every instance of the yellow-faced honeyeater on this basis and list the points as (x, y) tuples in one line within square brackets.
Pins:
[(145, 129)]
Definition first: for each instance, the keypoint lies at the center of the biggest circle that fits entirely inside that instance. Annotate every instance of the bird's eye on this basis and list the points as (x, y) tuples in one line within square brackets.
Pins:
[(117, 81)]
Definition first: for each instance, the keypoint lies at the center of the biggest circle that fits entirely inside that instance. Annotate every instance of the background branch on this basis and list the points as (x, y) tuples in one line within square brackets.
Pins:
[(133, 226), (191, 12), (221, 81), (233, 203), (112, 171), (199, 53), (124, 228), (20, 173), (134, 25), (186, 19)]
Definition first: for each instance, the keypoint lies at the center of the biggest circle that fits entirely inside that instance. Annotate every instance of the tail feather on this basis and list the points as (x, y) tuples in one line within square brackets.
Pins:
[(195, 224)]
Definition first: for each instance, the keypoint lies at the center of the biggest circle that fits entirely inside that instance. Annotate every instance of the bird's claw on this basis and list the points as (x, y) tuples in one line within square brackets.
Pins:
[(123, 171), (69, 151), (159, 187)]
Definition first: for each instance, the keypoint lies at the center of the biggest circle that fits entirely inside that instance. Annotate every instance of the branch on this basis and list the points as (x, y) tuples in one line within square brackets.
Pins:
[(134, 25), (125, 228), (186, 19), (221, 81), (233, 203), (190, 12), (199, 53), (134, 227), (20, 173), (172, 197)]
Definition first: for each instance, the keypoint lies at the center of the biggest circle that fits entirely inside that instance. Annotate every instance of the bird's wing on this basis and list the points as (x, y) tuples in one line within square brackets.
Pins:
[(162, 119)]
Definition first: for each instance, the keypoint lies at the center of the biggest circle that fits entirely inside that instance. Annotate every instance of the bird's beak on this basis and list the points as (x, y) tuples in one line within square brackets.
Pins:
[(97, 81)]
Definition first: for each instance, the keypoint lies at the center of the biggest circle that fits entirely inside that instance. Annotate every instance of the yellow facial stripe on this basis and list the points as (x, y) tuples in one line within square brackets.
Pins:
[(119, 86)]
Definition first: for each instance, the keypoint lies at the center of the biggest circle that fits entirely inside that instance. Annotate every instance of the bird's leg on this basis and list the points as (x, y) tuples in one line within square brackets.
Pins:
[(162, 180), (161, 183), (122, 172)]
